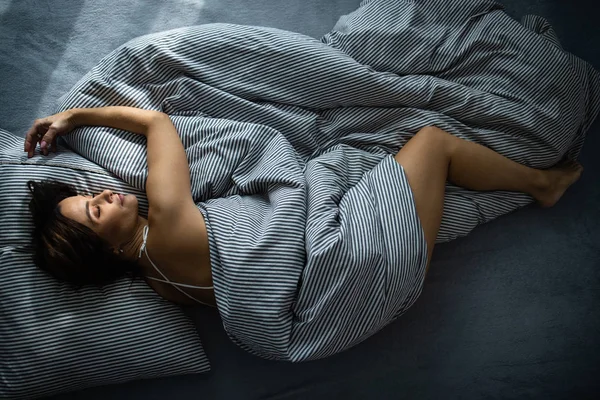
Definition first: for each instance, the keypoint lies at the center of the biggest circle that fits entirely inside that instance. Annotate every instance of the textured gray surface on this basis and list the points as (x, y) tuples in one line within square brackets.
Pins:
[(47, 46), (507, 312)]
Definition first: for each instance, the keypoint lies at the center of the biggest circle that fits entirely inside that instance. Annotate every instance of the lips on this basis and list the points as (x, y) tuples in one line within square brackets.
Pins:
[(122, 198)]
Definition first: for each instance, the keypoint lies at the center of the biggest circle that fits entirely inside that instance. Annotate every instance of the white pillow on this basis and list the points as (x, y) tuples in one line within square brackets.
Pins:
[(54, 339)]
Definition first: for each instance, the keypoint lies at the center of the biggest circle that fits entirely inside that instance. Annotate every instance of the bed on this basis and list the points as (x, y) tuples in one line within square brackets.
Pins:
[(508, 311)]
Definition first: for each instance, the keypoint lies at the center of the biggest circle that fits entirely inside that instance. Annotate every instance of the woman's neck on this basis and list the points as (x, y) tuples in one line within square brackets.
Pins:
[(131, 248)]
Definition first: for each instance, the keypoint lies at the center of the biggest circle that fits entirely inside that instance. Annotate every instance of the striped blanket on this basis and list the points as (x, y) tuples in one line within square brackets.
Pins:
[(315, 242)]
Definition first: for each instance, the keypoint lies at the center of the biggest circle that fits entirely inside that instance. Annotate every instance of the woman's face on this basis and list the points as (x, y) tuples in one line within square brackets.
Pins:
[(112, 216)]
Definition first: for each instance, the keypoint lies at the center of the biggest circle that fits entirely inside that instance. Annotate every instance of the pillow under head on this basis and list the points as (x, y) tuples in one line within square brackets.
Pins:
[(54, 338)]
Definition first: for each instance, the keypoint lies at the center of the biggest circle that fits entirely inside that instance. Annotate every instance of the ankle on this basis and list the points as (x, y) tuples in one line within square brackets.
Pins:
[(540, 182)]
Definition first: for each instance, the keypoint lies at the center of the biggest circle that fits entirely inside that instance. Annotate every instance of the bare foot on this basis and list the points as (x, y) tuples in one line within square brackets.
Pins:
[(556, 181)]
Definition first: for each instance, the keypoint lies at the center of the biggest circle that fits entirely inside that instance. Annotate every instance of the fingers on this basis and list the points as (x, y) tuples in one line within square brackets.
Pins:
[(43, 132), (47, 140), (32, 137)]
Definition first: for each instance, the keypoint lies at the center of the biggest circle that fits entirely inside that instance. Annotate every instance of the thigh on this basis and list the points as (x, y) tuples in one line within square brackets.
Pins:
[(425, 162)]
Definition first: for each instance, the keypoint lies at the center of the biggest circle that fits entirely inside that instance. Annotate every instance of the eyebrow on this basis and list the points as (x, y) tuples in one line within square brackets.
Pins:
[(87, 210)]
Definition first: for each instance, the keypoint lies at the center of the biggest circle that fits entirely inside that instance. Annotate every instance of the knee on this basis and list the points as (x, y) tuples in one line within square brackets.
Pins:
[(432, 135), (436, 138)]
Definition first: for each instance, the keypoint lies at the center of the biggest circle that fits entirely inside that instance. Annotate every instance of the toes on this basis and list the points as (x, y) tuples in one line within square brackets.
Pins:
[(573, 165), (577, 167)]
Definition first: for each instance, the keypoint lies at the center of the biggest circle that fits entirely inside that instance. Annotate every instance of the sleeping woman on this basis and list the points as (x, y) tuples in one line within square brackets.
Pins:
[(94, 240)]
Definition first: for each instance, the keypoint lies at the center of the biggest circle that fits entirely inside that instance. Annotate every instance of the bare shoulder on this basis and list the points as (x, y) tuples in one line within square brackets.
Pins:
[(182, 233)]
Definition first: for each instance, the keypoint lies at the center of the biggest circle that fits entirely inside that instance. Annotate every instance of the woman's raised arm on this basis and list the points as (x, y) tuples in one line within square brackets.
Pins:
[(168, 185)]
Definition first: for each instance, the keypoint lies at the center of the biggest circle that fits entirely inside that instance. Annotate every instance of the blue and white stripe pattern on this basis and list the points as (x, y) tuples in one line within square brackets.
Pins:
[(315, 242), (55, 339)]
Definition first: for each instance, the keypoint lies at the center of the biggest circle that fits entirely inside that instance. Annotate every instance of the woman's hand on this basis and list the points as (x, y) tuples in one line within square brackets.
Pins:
[(46, 130)]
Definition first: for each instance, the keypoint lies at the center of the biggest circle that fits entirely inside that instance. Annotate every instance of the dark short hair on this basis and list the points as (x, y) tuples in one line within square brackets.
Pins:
[(67, 250)]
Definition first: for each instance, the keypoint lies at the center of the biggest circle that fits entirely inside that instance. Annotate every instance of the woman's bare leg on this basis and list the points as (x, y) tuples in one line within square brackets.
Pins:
[(433, 156)]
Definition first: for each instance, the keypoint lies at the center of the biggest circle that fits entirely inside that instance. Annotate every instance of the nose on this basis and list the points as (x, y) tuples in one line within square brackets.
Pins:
[(106, 195)]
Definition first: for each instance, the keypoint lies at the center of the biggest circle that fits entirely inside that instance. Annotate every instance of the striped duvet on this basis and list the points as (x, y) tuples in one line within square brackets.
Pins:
[(315, 243)]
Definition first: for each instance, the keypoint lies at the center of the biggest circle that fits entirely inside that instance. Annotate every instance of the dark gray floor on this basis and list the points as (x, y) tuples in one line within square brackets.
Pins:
[(510, 311)]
